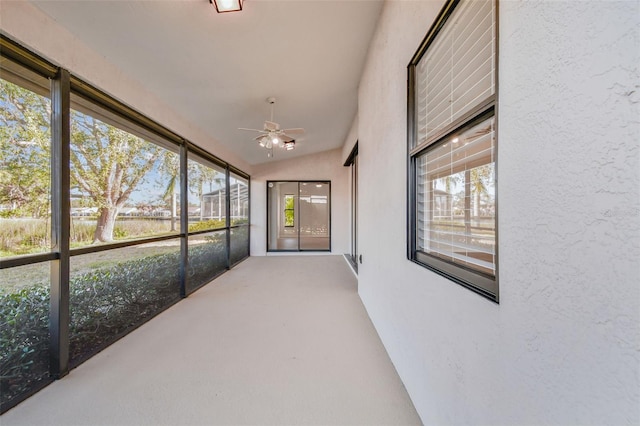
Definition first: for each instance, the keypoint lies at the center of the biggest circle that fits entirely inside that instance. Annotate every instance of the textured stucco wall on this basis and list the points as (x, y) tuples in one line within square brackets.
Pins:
[(35, 30), (563, 346), (326, 165)]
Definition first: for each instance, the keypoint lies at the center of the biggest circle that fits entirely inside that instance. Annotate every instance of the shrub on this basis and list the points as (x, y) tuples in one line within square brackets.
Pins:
[(206, 260), (104, 303), (239, 243), (24, 340), (108, 301), (206, 224)]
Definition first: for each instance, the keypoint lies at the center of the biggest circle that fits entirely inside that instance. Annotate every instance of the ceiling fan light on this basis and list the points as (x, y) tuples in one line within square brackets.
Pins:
[(275, 140), (223, 6)]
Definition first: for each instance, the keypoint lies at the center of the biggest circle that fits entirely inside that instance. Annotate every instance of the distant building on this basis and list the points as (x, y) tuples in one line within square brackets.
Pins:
[(212, 203)]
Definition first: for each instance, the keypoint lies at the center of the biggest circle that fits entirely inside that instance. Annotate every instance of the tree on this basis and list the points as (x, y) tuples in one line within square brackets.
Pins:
[(480, 177), (198, 175), (108, 163), (24, 151), (170, 165)]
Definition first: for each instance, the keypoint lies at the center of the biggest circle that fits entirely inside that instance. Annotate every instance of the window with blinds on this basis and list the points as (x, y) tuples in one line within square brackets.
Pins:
[(452, 147)]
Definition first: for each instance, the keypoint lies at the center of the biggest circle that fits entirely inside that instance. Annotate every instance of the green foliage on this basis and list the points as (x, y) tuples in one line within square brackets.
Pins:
[(104, 302), (289, 218), (120, 233), (239, 244), (24, 151), (108, 301), (214, 224), (107, 163), (24, 340), (81, 232), (207, 260), (24, 236), (206, 224)]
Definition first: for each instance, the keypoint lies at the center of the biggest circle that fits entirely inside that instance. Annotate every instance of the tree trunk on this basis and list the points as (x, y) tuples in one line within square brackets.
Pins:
[(106, 222), (174, 210), (476, 205), (467, 205)]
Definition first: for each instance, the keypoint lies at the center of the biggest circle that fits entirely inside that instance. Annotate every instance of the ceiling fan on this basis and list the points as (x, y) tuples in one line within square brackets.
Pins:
[(272, 135)]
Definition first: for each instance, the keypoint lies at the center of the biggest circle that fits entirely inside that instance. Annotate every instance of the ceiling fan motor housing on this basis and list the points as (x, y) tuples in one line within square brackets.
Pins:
[(272, 135)]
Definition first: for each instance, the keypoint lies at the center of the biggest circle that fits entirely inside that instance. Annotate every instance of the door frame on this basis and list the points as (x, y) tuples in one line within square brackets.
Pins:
[(297, 214), (352, 163)]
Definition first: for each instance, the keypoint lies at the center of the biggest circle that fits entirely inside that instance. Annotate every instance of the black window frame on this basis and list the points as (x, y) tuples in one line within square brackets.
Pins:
[(483, 284), (64, 84)]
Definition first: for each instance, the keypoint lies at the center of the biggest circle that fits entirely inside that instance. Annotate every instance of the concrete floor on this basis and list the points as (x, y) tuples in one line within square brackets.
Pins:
[(277, 340)]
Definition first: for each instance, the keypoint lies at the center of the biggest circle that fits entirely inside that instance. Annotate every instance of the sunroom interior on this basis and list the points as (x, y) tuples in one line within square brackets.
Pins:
[(449, 234)]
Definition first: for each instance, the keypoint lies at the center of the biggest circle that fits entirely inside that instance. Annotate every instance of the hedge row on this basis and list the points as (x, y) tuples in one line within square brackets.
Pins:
[(105, 303)]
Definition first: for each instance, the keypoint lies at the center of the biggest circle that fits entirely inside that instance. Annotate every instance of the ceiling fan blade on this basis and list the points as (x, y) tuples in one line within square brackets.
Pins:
[(252, 130), (271, 126), (294, 131), (257, 138), (285, 138)]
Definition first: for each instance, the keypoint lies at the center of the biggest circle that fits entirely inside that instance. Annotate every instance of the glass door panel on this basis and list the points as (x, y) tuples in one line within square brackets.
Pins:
[(298, 216), (283, 217), (314, 216)]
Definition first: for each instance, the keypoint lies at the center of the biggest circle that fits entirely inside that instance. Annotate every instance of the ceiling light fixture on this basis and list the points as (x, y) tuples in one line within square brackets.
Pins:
[(223, 6), (271, 135)]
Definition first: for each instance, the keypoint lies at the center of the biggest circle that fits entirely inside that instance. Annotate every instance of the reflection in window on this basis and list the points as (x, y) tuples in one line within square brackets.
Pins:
[(457, 203)]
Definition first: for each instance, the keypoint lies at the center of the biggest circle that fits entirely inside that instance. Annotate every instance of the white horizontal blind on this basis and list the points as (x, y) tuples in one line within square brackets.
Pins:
[(456, 199), (457, 72)]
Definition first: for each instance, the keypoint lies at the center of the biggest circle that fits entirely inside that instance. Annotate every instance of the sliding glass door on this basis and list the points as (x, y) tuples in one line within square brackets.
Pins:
[(299, 216)]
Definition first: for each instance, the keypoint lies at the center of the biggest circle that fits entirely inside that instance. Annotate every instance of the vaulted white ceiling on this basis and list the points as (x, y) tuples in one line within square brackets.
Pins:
[(218, 69)]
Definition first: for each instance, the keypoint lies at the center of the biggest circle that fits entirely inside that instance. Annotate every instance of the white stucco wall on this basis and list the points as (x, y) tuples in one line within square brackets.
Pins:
[(35, 30), (322, 166), (563, 345)]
